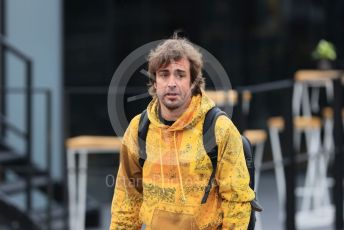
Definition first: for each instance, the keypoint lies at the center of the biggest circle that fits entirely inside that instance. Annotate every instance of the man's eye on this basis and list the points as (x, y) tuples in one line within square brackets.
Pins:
[(163, 74)]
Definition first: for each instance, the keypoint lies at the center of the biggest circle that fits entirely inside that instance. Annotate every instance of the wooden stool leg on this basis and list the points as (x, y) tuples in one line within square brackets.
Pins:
[(71, 166), (329, 91), (306, 106), (323, 195), (297, 140), (315, 99), (259, 225), (328, 135), (297, 97), (312, 173), (258, 162), (82, 190), (279, 169)]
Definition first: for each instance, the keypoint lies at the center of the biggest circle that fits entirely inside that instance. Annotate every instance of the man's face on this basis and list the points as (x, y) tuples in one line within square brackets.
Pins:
[(173, 84)]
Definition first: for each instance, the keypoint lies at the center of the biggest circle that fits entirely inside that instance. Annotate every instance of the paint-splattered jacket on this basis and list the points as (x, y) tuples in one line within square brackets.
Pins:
[(167, 192)]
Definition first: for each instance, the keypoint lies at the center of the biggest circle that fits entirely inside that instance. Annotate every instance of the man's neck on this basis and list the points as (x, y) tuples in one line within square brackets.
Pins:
[(172, 115), (164, 121)]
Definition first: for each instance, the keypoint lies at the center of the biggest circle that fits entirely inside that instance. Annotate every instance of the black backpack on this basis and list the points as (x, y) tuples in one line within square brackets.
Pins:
[(211, 149)]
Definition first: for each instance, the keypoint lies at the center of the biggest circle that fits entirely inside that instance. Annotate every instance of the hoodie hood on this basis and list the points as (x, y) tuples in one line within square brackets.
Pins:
[(198, 107)]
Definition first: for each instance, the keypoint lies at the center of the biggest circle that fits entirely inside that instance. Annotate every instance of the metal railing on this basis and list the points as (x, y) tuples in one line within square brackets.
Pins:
[(339, 153), (7, 47), (48, 145), (27, 134)]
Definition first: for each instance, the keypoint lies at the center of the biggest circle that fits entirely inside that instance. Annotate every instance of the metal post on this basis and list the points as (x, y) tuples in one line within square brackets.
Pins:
[(2, 64), (290, 167), (29, 131), (65, 134), (48, 149), (339, 154), (241, 116)]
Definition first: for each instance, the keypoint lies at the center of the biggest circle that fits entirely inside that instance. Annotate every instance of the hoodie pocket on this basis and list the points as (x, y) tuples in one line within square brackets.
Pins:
[(172, 221)]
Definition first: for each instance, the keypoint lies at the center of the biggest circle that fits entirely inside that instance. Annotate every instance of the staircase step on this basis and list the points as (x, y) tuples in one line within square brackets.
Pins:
[(3, 146), (13, 218), (59, 215), (20, 185), (11, 158)]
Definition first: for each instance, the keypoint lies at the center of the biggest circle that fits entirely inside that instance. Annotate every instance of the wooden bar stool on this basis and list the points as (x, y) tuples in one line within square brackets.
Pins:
[(83, 146), (275, 125), (223, 98), (314, 193), (313, 80), (257, 138)]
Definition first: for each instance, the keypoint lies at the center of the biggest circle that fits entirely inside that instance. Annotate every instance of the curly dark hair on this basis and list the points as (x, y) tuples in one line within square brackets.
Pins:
[(174, 49)]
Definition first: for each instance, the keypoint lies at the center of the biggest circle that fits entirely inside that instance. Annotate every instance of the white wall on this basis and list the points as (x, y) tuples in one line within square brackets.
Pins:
[(35, 27)]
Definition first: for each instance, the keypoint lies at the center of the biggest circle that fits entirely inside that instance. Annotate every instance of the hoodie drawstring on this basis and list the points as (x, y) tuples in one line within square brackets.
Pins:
[(161, 170), (178, 166)]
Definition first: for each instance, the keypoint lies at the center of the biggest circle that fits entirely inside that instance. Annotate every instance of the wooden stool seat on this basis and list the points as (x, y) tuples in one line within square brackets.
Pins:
[(247, 96), (328, 113), (307, 122), (219, 97), (233, 97), (255, 136), (276, 122), (98, 142), (222, 97), (316, 75), (301, 123), (78, 150)]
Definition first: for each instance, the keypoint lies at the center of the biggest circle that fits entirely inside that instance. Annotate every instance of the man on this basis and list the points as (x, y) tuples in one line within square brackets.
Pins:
[(166, 193)]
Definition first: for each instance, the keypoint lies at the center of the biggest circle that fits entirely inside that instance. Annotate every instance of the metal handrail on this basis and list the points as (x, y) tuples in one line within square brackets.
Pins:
[(12, 127), (48, 105), (267, 87), (10, 47), (7, 46), (18, 90)]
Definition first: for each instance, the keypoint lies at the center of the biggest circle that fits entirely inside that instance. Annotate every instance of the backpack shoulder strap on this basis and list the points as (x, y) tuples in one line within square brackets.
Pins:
[(209, 142), (142, 136), (249, 157)]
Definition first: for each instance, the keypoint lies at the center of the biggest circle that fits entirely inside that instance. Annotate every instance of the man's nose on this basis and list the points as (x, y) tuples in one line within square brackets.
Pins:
[(171, 81)]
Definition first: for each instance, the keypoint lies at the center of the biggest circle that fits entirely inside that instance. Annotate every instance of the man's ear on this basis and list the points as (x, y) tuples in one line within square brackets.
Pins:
[(154, 85)]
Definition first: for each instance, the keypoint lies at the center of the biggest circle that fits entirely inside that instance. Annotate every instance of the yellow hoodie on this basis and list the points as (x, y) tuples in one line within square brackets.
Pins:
[(167, 193)]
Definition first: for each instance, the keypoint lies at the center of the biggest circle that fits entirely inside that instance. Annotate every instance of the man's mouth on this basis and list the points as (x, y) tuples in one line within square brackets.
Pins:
[(171, 96)]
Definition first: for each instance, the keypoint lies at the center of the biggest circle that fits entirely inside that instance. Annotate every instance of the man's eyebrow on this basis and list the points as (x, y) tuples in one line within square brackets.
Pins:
[(180, 70), (163, 70)]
